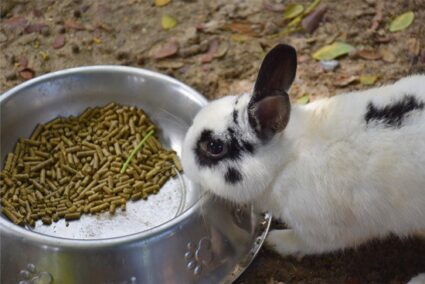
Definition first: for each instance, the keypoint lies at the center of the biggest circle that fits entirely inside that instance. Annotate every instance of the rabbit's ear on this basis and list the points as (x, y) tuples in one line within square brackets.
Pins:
[(269, 107), (277, 72)]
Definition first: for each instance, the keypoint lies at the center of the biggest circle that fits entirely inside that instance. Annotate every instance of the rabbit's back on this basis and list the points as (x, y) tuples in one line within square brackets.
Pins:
[(357, 166)]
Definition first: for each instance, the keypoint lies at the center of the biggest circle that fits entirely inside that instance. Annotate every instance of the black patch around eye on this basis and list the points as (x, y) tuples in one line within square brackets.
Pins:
[(235, 116), (232, 176), (235, 149), (202, 159), (392, 115)]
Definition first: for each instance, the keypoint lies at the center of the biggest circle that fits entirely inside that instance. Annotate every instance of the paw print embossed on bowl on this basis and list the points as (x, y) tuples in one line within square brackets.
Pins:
[(30, 275), (199, 256)]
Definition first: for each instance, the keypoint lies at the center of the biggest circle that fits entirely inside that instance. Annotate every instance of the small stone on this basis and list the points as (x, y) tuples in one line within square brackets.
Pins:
[(329, 65)]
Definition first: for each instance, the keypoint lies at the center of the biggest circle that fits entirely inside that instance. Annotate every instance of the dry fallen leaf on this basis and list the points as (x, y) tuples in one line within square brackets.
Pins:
[(242, 28), (164, 49), (59, 41), (212, 49), (402, 22), (35, 28), (369, 54), (333, 51), (240, 38), (387, 55), (70, 24), (27, 73), (168, 22), (23, 62), (368, 80), (222, 49), (15, 23), (169, 64), (344, 80), (160, 3), (312, 21), (414, 46)]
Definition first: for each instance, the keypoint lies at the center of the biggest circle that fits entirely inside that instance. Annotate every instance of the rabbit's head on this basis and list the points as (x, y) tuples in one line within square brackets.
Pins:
[(231, 147)]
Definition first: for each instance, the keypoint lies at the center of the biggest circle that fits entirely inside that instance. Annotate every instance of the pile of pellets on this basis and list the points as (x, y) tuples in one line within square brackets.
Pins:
[(88, 164)]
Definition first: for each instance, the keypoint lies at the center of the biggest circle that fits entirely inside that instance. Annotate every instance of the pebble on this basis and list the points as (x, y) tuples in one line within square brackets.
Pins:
[(329, 65)]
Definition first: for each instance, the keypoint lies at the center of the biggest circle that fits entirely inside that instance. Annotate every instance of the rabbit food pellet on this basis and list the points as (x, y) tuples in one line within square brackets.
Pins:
[(86, 164)]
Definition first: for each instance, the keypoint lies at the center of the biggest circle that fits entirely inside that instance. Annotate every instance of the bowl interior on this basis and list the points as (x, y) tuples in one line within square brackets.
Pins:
[(170, 104)]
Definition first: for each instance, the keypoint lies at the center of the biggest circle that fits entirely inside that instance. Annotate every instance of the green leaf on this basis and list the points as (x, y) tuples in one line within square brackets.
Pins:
[(333, 51), (303, 100), (311, 7), (168, 22), (292, 11), (368, 80), (402, 22)]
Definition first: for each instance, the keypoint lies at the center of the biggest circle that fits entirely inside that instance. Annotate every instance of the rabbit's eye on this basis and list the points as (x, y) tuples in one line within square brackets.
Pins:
[(214, 148)]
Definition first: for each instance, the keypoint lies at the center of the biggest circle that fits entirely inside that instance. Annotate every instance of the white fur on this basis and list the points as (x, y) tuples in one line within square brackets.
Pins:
[(419, 279), (336, 181)]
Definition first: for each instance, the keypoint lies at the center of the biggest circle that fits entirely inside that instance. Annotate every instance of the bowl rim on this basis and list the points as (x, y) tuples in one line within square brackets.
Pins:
[(19, 232)]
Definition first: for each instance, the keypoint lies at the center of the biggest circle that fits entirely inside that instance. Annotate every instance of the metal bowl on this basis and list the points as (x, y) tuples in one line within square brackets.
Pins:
[(176, 236)]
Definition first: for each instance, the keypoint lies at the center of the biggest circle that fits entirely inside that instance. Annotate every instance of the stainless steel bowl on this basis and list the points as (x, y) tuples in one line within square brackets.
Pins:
[(176, 236)]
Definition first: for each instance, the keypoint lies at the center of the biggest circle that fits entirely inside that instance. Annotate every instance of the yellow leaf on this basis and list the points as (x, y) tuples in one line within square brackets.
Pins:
[(402, 22), (303, 100), (293, 10), (97, 40), (333, 51), (368, 80), (160, 3), (311, 7), (168, 22), (44, 55), (295, 22)]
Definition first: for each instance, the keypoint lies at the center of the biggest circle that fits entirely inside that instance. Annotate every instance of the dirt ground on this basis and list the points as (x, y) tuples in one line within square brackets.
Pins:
[(216, 47)]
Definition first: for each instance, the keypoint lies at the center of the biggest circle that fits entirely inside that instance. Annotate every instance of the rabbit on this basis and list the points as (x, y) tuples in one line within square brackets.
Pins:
[(338, 171)]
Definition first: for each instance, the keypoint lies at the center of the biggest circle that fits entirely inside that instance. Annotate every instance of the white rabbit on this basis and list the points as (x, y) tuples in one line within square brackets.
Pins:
[(338, 171)]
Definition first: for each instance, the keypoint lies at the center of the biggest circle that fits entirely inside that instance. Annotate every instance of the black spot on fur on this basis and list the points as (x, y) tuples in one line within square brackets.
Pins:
[(232, 176), (393, 115), (235, 148), (235, 116), (247, 146)]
